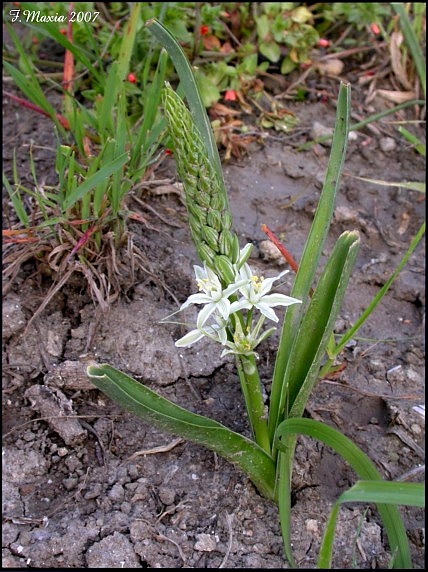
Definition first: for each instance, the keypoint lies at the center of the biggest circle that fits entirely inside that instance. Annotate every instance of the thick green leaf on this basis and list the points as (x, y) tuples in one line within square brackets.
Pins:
[(311, 255), (270, 50), (305, 361), (138, 399), (310, 342), (317, 325), (361, 464)]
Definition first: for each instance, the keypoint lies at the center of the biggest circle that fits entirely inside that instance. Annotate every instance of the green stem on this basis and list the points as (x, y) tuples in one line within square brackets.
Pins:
[(251, 389)]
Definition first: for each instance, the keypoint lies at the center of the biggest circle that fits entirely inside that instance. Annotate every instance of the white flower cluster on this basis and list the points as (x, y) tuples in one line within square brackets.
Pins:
[(218, 320)]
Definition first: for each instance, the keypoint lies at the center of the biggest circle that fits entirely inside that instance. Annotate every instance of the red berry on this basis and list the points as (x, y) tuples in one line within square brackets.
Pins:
[(375, 29), (230, 95)]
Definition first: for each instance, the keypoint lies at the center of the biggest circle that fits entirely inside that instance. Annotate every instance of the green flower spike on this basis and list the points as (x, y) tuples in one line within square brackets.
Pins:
[(210, 219)]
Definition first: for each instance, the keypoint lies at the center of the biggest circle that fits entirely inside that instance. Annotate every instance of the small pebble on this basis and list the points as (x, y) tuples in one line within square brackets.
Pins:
[(205, 543), (416, 429), (167, 495), (319, 130), (387, 144)]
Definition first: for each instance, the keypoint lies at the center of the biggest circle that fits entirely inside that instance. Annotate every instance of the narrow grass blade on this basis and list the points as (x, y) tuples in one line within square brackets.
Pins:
[(152, 96), (99, 194), (412, 43), (364, 468), (376, 300), (17, 202), (367, 121), (410, 185), (128, 40), (32, 92), (51, 30), (311, 255), (413, 140), (120, 184), (26, 80), (106, 117), (92, 181), (153, 408)]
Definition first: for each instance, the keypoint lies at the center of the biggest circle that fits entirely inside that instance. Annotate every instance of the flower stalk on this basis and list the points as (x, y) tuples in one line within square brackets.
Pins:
[(251, 389)]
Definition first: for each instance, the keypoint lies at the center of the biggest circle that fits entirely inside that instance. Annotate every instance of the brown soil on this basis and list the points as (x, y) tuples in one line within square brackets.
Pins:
[(85, 484)]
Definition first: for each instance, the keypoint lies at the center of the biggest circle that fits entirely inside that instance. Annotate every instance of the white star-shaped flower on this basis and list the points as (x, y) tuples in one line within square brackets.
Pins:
[(212, 294), (255, 294)]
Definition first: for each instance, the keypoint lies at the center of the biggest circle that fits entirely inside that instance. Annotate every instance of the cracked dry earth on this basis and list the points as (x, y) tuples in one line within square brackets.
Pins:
[(88, 485)]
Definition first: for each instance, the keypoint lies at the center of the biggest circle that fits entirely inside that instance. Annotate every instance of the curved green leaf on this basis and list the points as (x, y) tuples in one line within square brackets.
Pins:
[(308, 351), (361, 464), (386, 492), (191, 91), (138, 399)]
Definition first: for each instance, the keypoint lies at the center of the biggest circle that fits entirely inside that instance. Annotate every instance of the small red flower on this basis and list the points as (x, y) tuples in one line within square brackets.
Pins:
[(132, 78), (375, 29), (63, 31), (230, 95), (203, 30), (323, 43)]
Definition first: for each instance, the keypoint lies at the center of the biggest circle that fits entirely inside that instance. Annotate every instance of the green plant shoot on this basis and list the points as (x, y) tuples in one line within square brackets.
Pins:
[(237, 311)]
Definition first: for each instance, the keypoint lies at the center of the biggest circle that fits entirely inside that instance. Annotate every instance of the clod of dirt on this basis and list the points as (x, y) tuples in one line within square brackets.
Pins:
[(13, 316), (53, 404), (205, 543), (69, 375), (114, 551), (146, 345)]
